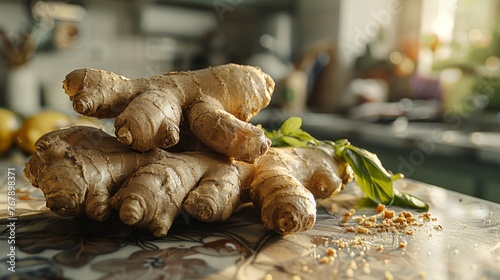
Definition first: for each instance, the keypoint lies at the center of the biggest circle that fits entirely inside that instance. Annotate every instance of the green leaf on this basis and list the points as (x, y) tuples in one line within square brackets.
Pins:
[(304, 136), (278, 142), (294, 142), (365, 203), (408, 200), (274, 134), (404, 200), (372, 178), (291, 125)]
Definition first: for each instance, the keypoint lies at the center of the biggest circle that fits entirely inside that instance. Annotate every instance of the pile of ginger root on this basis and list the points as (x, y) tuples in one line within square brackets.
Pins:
[(183, 143)]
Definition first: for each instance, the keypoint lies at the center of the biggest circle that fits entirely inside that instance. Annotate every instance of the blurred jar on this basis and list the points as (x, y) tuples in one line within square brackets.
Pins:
[(23, 90)]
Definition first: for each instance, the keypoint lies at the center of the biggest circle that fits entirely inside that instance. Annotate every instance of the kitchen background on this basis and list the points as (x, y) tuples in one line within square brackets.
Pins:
[(415, 81)]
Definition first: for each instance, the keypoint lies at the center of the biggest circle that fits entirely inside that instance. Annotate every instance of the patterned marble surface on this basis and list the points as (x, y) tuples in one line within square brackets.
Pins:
[(462, 241)]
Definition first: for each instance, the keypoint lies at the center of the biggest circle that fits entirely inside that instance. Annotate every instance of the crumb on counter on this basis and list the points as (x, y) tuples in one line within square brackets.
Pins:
[(380, 208), (366, 268), (330, 251), (386, 221), (388, 214), (348, 215)]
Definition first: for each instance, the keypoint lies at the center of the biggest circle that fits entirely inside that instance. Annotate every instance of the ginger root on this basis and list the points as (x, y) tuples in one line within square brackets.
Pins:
[(286, 182), (80, 168), (217, 102), (84, 171)]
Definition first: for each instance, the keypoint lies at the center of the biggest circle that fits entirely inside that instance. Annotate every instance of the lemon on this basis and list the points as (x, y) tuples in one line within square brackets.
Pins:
[(37, 125), (10, 122)]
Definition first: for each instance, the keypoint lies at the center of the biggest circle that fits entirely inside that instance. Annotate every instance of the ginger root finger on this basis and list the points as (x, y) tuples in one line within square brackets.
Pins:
[(221, 191), (285, 205), (241, 91), (217, 194), (79, 168), (225, 133), (152, 116), (99, 93), (319, 171), (153, 196), (286, 183), (314, 167)]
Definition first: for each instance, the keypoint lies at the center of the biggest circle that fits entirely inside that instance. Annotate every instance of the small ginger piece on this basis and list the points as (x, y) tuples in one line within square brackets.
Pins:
[(380, 208), (348, 215), (217, 103), (388, 214), (330, 251), (363, 230)]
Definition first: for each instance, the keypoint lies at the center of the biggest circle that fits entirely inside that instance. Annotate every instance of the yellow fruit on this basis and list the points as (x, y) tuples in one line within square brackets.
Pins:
[(37, 125), (9, 123)]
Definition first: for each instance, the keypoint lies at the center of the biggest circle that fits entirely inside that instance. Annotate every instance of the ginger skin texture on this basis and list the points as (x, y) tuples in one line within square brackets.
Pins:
[(216, 103), (84, 171), (79, 168), (286, 182)]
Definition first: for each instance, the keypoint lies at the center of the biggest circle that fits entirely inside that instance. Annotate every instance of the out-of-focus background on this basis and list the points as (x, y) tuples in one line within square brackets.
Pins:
[(415, 81)]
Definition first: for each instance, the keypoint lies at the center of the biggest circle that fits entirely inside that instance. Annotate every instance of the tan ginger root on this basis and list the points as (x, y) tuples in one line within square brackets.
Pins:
[(217, 102), (286, 182), (283, 185), (78, 169), (153, 196), (82, 170)]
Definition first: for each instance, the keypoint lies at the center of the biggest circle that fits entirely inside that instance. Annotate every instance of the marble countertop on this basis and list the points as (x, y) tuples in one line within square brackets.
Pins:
[(459, 240)]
